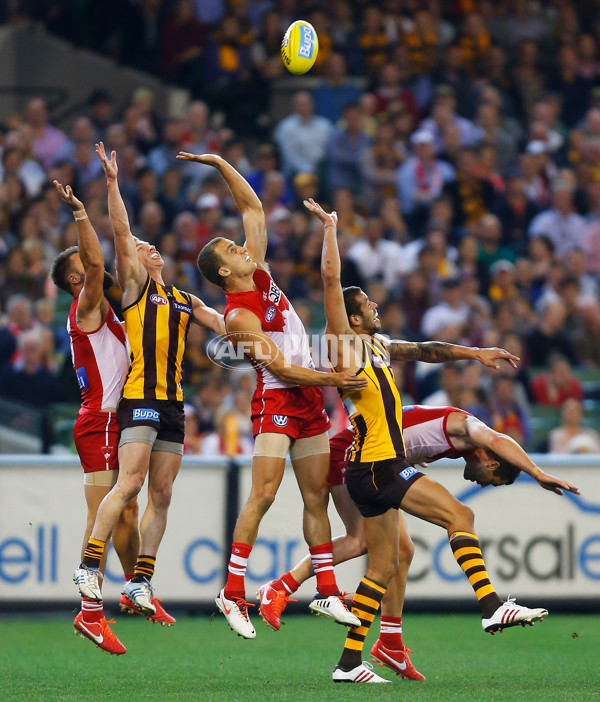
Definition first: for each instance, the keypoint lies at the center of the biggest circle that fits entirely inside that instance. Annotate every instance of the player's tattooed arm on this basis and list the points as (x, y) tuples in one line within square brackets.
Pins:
[(441, 352)]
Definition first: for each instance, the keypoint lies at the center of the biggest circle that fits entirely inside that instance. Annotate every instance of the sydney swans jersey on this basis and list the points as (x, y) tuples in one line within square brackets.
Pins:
[(425, 433), (279, 321), (157, 325), (375, 413), (100, 360)]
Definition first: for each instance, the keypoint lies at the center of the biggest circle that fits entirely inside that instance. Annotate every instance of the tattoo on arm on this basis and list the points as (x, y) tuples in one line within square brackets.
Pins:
[(429, 351)]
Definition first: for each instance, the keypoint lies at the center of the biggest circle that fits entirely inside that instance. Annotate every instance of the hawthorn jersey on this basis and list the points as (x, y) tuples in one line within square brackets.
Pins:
[(375, 413), (425, 433), (157, 325), (425, 440), (100, 360), (295, 410)]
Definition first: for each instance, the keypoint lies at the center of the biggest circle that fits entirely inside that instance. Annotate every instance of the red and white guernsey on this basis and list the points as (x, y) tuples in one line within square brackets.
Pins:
[(425, 438), (274, 398), (100, 361)]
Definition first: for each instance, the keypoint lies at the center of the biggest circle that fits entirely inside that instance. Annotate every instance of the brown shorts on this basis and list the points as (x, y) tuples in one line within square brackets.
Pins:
[(380, 485)]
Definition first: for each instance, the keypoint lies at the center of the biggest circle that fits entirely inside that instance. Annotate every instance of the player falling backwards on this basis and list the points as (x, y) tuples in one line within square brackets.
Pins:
[(379, 477), (288, 412), (100, 360), (430, 433), (157, 318)]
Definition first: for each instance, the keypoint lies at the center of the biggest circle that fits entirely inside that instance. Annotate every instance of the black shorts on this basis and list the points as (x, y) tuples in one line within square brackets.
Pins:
[(166, 416), (381, 485)]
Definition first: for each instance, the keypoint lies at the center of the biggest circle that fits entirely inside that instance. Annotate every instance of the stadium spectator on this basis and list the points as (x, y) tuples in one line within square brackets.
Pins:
[(570, 436), (377, 258), (345, 152), (334, 91), (560, 223), (27, 379), (302, 137), (422, 177), (446, 320), (556, 385), (46, 139)]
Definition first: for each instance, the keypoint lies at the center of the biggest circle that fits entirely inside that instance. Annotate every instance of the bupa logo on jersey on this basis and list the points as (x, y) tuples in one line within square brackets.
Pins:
[(145, 413), (270, 313), (274, 293), (158, 299)]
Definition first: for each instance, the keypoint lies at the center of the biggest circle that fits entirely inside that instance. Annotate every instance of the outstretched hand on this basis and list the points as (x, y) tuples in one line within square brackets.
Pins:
[(66, 195), (207, 159), (549, 482), (110, 167), (490, 357), (316, 209)]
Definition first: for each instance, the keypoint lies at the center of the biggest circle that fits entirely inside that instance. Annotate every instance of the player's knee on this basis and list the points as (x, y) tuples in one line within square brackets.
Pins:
[(161, 497), (407, 551), (359, 545), (129, 487), (262, 500), (464, 515)]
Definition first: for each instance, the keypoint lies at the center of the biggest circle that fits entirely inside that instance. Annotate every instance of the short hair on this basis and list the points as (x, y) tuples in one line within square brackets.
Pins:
[(506, 471), (60, 269), (351, 300), (209, 262)]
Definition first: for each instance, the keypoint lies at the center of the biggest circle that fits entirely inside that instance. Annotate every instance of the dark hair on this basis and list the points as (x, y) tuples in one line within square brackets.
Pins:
[(60, 269), (209, 262), (506, 471), (351, 301)]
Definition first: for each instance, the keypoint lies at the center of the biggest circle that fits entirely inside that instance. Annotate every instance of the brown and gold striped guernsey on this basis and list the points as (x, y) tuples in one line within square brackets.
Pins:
[(157, 324), (375, 412)]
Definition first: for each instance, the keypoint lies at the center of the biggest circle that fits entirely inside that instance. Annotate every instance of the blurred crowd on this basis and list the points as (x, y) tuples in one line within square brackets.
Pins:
[(458, 142)]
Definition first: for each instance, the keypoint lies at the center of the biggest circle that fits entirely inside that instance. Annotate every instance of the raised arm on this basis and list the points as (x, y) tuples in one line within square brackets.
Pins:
[(244, 330), (91, 304), (130, 272), (246, 199), (440, 352), (482, 436), (205, 316)]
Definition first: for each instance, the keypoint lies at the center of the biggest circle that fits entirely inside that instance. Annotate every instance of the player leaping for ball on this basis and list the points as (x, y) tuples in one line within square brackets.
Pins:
[(288, 412), (379, 477), (101, 363), (430, 433), (151, 416)]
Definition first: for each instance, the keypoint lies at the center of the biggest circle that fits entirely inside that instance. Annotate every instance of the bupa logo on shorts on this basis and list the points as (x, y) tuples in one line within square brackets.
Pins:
[(407, 472), (145, 413), (279, 420), (82, 380), (270, 313), (274, 293), (181, 307), (307, 42), (158, 299)]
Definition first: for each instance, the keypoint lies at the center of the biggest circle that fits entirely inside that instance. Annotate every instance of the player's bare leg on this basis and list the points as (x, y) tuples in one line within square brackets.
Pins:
[(351, 545), (90, 621), (430, 501), (137, 593), (267, 474), (389, 649), (382, 535), (311, 473)]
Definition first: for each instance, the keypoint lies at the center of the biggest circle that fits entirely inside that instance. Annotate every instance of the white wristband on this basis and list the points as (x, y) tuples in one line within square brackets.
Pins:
[(80, 212)]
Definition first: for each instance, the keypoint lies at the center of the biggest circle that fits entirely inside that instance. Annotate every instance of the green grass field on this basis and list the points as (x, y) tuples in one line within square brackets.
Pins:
[(200, 659)]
